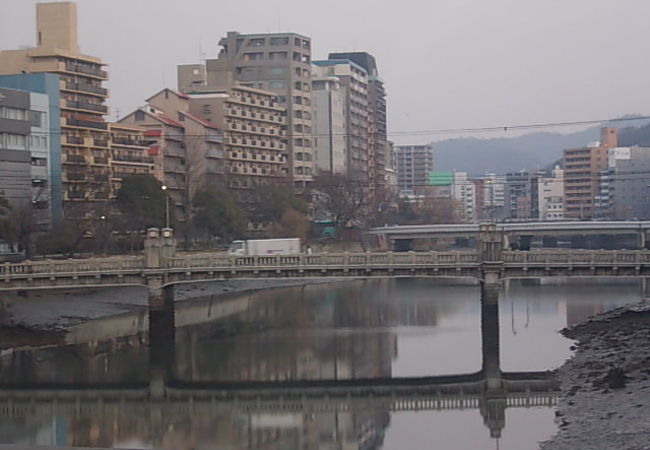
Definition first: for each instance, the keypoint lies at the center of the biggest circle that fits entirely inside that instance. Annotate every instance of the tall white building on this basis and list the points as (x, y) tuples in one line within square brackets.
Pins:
[(550, 196), (328, 120), (494, 195), (464, 192)]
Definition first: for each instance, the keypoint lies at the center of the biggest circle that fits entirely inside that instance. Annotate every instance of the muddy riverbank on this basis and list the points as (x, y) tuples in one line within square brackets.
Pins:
[(42, 317), (605, 402)]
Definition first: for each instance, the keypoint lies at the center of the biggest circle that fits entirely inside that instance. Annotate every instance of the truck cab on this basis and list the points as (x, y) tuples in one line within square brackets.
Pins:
[(237, 248)]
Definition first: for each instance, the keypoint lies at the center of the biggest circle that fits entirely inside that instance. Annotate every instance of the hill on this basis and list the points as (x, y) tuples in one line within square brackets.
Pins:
[(530, 151)]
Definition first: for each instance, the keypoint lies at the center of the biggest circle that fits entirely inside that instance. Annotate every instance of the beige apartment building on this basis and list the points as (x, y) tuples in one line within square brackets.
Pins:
[(187, 150), (276, 62), (582, 167), (252, 122), (85, 150), (129, 153)]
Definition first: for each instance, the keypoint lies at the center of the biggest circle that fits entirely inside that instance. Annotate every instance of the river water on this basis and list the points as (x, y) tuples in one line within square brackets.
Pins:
[(353, 330)]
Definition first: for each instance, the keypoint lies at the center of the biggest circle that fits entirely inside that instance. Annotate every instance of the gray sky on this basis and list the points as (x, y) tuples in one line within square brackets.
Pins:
[(446, 63)]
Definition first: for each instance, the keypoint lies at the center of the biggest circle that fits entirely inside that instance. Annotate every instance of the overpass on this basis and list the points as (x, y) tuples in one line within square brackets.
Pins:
[(582, 233)]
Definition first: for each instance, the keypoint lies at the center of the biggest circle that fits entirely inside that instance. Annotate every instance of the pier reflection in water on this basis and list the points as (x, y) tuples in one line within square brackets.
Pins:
[(212, 379)]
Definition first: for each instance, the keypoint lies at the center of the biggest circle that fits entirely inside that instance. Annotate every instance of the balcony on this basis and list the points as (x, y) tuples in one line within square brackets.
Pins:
[(100, 160), (86, 69), (75, 177), (100, 142), (75, 140), (76, 159), (100, 177), (133, 159), (127, 141), (76, 195), (86, 124), (87, 106), (87, 88)]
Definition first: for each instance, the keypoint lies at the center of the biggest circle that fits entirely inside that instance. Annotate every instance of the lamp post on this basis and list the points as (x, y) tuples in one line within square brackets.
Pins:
[(164, 188)]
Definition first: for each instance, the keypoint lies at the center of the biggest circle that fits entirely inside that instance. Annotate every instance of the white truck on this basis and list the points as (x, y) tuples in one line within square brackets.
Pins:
[(261, 247)]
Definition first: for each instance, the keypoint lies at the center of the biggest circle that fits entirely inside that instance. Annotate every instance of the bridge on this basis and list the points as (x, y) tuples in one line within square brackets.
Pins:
[(160, 267), (582, 234)]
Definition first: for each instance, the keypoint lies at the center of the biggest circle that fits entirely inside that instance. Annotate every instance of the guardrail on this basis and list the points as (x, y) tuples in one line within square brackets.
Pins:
[(326, 259), (101, 265), (577, 257), (541, 258)]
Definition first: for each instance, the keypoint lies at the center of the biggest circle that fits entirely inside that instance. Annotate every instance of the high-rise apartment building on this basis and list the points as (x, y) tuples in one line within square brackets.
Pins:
[(85, 153), (377, 131), (625, 184), (550, 196), (187, 150), (582, 168), (29, 130), (252, 123), (276, 62), (129, 153), (414, 164), (354, 81), (328, 104)]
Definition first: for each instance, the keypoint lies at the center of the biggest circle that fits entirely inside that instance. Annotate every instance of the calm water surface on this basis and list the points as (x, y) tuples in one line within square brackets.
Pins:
[(350, 330)]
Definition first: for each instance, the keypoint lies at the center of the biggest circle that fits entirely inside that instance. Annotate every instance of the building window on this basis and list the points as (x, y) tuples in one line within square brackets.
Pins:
[(253, 56), (280, 84), (139, 115), (278, 56), (279, 41), (36, 118)]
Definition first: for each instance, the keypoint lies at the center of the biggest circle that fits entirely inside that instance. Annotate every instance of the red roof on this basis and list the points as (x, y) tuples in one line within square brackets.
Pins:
[(154, 150), (169, 121), (156, 132), (203, 122)]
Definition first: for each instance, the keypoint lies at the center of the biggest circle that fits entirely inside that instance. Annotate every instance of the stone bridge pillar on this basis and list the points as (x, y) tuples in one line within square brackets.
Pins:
[(490, 242), (158, 249)]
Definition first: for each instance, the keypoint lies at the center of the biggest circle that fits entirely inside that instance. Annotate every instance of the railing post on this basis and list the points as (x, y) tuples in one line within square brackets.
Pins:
[(152, 249), (490, 253)]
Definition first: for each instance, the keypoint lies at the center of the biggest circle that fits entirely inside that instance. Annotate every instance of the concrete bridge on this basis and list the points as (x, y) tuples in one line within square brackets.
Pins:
[(159, 267), (580, 234)]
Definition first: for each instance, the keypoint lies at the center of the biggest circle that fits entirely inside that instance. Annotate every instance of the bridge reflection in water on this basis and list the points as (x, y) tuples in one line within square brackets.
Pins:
[(220, 394)]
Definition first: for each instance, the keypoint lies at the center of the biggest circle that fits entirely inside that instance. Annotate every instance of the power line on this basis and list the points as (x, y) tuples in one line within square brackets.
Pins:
[(504, 128)]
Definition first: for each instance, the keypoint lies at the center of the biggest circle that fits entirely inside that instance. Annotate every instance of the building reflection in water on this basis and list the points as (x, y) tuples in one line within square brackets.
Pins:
[(323, 332)]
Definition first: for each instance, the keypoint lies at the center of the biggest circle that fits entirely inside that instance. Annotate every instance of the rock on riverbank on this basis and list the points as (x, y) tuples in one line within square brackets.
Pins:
[(605, 402)]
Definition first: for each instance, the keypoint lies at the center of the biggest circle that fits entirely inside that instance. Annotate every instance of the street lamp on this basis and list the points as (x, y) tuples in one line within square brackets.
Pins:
[(164, 188)]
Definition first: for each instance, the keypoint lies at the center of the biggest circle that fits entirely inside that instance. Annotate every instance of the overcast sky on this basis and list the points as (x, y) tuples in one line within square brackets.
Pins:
[(446, 63)]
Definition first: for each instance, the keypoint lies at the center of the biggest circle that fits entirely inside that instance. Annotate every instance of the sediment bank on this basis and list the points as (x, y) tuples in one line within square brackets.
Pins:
[(605, 401)]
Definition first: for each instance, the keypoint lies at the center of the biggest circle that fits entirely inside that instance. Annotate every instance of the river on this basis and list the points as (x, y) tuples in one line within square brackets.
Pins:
[(353, 330)]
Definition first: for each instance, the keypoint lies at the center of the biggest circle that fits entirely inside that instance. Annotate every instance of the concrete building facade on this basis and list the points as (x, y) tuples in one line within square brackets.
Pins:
[(625, 184), (129, 153), (276, 62), (252, 123), (354, 81), (413, 164), (328, 105), (187, 150), (550, 196), (582, 168), (85, 152), (463, 191), (35, 98), (377, 124)]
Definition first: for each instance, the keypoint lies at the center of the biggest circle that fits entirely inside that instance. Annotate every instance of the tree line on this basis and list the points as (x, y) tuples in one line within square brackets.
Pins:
[(213, 216)]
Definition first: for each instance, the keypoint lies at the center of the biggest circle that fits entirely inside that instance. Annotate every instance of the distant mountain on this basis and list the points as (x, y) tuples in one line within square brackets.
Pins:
[(634, 136), (530, 151)]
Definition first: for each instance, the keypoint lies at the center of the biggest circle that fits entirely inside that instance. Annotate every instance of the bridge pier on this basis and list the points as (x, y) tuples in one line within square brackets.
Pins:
[(490, 254), (159, 248)]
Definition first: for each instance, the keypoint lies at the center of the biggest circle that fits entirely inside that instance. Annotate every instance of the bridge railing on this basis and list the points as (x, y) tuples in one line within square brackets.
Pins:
[(110, 264), (577, 257), (326, 259)]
